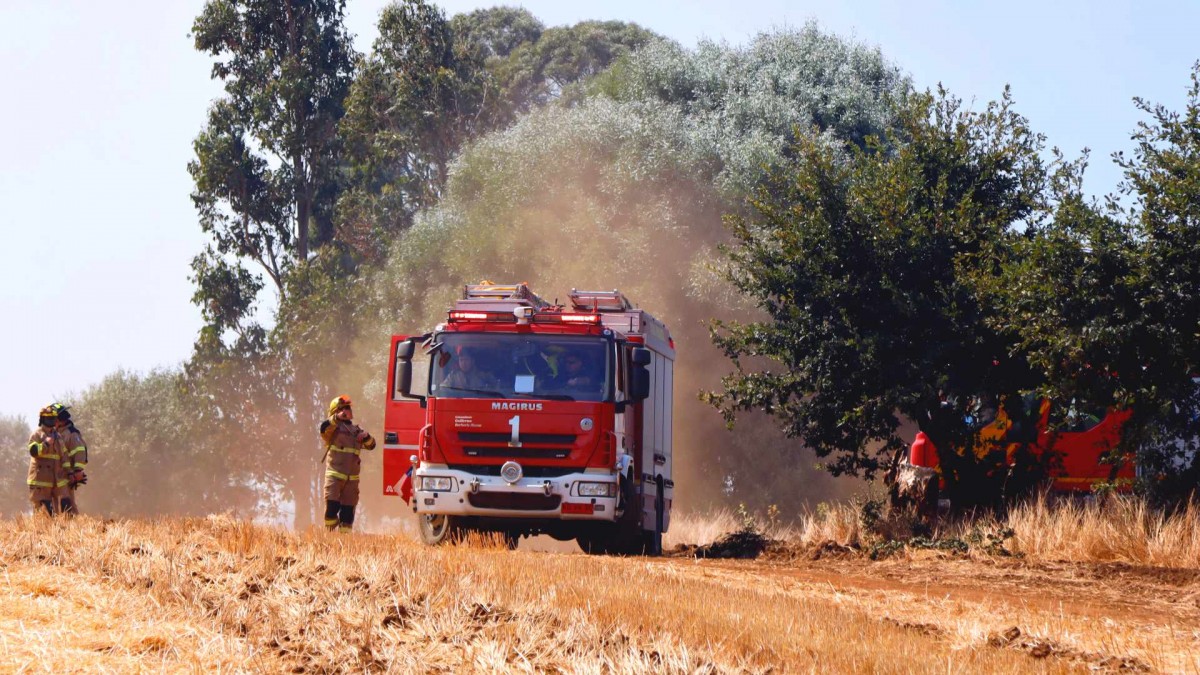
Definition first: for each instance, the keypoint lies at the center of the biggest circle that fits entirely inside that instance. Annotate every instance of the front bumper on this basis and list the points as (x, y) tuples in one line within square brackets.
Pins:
[(474, 495)]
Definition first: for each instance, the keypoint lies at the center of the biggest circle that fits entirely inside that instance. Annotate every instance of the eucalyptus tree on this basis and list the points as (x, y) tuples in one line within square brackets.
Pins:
[(266, 183), (266, 161)]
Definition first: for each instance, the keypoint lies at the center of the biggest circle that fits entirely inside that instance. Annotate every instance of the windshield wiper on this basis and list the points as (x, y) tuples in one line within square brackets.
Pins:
[(484, 392)]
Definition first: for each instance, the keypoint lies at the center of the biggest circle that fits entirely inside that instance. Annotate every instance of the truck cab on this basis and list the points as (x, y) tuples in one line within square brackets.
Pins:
[(524, 417)]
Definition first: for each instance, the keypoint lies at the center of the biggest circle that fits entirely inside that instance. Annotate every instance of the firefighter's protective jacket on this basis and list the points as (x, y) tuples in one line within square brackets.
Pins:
[(345, 442), (75, 449), (47, 463)]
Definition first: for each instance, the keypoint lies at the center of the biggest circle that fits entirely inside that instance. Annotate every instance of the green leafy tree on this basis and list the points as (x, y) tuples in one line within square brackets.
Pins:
[(1102, 297), (430, 85), (152, 450), (540, 71), (1163, 178), (497, 32), (417, 96), (14, 439), (865, 261)]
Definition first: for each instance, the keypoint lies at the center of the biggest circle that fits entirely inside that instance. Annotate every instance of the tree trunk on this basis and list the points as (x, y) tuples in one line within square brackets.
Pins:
[(302, 491), (306, 445), (303, 207)]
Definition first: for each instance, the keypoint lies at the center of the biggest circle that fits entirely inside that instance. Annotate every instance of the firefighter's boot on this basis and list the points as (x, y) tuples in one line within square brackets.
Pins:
[(331, 514), (346, 518)]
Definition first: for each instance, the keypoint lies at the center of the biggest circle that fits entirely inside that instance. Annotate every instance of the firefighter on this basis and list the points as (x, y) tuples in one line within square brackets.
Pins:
[(76, 456), (344, 443), (47, 466)]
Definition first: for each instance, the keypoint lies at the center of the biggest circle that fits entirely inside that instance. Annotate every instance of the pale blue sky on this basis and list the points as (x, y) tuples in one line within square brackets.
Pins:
[(103, 99)]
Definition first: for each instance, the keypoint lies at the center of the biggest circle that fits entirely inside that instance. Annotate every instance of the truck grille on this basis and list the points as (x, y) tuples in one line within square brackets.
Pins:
[(513, 501), (529, 471), (479, 437), (544, 453)]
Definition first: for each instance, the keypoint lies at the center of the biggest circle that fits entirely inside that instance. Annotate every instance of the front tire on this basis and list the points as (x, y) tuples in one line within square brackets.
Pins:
[(597, 539), (439, 529), (623, 536)]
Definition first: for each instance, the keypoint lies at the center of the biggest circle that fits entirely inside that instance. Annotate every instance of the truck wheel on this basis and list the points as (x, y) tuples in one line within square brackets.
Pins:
[(511, 540), (439, 529), (596, 540)]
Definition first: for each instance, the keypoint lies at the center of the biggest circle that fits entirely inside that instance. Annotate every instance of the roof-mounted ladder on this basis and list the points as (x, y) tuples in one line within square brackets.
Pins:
[(516, 292), (601, 301)]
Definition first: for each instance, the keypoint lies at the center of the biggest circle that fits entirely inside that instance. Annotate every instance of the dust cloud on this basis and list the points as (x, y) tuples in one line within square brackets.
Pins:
[(657, 241)]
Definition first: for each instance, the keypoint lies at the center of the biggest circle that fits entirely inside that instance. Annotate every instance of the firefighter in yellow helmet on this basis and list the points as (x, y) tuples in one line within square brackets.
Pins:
[(47, 466), (344, 443), (75, 454)]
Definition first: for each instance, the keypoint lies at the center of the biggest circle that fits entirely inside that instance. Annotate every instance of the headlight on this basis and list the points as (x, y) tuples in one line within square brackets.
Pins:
[(597, 489), (436, 483)]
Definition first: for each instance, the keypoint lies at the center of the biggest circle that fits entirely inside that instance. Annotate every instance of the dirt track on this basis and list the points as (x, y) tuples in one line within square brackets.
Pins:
[(1105, 616)]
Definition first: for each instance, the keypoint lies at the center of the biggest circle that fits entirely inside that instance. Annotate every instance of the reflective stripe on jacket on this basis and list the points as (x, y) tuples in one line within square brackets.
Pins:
[(346, 441), (47, 461), (74, 449)]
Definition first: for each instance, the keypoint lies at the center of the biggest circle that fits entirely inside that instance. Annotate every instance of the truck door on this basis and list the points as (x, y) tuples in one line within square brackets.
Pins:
[(403, 416)]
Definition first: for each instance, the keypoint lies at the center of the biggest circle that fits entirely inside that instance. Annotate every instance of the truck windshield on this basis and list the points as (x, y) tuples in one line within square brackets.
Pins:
[(553, 367)]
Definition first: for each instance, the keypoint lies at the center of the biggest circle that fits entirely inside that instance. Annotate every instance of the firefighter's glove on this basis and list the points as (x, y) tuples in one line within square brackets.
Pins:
[(33, 450), (80, 478), (366, 440), (328, 431)]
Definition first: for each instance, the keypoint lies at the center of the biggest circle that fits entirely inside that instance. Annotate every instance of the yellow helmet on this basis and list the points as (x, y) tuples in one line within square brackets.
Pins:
[(47, 416), (337, 404)]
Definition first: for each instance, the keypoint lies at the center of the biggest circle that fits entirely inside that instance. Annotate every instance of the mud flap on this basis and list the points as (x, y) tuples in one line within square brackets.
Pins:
[(406, 491)]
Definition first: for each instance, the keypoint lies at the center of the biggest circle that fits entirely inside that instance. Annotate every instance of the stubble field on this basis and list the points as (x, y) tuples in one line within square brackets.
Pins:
[(220, 594)]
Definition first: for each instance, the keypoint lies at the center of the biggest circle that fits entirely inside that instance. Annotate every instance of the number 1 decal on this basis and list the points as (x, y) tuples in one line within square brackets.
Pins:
[(515, 423)]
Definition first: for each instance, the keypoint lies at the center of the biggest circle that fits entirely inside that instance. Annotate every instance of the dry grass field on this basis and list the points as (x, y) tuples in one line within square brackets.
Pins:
[(223, 595)]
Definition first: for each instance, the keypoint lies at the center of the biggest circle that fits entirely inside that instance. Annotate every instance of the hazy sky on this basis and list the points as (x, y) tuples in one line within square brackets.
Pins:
[(101, 101)]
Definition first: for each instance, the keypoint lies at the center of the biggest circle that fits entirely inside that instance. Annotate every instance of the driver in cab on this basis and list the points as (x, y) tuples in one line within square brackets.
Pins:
[(465, 373), (574, 374)]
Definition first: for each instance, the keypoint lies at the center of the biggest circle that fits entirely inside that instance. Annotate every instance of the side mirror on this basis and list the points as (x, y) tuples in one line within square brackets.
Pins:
[(404, 350), (641, 356), (404, 368), (404, 378)]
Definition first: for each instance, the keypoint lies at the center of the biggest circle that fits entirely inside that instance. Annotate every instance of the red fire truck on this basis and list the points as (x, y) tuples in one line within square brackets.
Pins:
[(1075, 441), (525, 417)]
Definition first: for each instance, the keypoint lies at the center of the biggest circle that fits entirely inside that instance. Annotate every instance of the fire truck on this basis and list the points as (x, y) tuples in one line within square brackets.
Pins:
[(1074, 442), (522, 417)]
